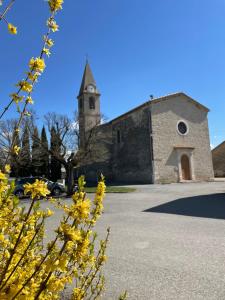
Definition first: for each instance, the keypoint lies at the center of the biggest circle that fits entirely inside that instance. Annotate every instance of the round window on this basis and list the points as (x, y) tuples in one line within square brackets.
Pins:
[(182, 128)]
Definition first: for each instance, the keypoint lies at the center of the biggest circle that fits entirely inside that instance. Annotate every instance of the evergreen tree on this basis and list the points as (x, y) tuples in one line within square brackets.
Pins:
[(44, 154), (55, 150), (14, 159), (24, 156), (36, 150)]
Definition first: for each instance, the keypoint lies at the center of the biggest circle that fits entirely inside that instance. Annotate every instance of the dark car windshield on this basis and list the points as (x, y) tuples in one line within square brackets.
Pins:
[(29, 180), (25, 180)]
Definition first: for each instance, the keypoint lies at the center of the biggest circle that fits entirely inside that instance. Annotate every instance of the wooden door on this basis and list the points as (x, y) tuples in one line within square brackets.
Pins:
[(185, 167)]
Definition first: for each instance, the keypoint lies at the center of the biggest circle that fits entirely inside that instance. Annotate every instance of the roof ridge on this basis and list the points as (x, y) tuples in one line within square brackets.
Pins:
[(159, 99)]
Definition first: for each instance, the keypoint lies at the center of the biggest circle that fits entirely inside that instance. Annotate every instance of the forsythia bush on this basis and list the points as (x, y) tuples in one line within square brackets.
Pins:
[(31, 269)]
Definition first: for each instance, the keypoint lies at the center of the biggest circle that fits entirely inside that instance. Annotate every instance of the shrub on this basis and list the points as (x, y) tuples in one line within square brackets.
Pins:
[(28, 268)]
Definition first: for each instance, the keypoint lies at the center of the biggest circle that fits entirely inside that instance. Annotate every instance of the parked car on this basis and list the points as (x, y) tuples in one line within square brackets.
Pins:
[(55, 188)]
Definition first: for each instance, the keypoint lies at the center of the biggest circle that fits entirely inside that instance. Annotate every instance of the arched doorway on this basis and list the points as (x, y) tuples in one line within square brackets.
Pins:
[(185, 167)]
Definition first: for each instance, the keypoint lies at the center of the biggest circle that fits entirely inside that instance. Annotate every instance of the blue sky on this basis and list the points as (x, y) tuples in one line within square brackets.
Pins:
[(135, 48)]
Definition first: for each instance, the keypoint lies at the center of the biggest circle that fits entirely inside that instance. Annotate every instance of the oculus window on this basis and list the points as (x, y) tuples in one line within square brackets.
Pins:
[(182, 128)]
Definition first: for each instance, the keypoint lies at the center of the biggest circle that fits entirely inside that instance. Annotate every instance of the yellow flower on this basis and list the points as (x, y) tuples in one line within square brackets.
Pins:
[(2, 237), (16, 149), (55, 4), (29, 100), (16, 98), (37, 189), (49, 213), (25, 86), (7, 254), (46, 51), (49, 42), (7, 168), (70, 233), (78, 294), (51, 23), (55, 284), (12, 29), (33, 76), (102, 259), (3, 188), (81, 209), (37, 64), (63, 262), (2, 176)]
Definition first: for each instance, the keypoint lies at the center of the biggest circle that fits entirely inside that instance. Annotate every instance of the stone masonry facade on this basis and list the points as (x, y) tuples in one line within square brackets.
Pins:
[(218, 156), (169, 145)]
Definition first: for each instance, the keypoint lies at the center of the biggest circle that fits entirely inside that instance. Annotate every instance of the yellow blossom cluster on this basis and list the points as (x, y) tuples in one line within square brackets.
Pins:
[(51, 23), (28, 269), (16, 98), (16, 150), (2, 176), (12, 29), (25, 86), (37, 64), (7, 168), (55, 5), (29, 100), (37, 189)]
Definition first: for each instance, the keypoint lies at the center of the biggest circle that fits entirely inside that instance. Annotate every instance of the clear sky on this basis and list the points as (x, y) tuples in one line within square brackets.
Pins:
[(135, 48)]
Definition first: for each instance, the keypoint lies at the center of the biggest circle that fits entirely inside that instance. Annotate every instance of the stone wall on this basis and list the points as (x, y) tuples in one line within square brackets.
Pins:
[(218, 155), (166, 139), (98, 159), (131, 155)]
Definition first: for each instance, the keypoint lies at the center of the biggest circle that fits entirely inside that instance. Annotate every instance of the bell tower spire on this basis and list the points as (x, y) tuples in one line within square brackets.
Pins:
[(88, 105)]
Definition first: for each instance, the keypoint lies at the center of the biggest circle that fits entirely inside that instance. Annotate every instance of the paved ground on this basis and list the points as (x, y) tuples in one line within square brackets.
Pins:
[(167, 242)]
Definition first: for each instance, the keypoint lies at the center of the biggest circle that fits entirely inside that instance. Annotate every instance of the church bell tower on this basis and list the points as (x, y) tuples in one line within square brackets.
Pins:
[(88, 106)]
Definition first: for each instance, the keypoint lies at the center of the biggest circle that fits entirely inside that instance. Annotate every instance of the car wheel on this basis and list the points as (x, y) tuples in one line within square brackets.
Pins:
[(19, 194), (56, 192)]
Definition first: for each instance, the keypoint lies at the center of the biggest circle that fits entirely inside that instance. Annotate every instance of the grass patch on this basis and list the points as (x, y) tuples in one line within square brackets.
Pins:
[(112, 189)]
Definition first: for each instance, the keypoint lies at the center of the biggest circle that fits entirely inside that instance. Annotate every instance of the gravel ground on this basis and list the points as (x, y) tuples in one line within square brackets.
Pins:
[(167, 242)]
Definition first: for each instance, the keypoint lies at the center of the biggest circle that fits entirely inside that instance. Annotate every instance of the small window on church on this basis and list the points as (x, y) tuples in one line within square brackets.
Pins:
[(92, 103), (182, 127), (118, 137)]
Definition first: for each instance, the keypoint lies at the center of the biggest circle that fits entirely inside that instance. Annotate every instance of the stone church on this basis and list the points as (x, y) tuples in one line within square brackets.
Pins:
[(163, 140)]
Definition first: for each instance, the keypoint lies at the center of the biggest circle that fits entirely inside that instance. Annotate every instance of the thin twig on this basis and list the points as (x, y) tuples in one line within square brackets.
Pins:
[(2, 16)]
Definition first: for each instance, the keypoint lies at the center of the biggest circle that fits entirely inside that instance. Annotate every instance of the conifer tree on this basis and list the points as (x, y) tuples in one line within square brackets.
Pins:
[(24, 156), (36, 149), (55, 165), (14, 159), (44, 154)]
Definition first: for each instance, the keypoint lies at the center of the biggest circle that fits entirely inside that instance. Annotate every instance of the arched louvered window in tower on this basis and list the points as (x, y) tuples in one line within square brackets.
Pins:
[(92, 103)]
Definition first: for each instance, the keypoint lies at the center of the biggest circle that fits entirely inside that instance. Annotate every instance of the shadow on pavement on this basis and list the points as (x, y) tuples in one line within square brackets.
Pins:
[(204, 206)]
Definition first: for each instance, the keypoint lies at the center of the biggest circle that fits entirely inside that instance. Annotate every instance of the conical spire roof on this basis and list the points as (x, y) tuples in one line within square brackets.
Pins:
[(87, 79)]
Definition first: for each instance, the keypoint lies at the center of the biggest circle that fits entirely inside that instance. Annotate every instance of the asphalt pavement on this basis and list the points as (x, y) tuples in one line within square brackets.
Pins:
[(167, 242)]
